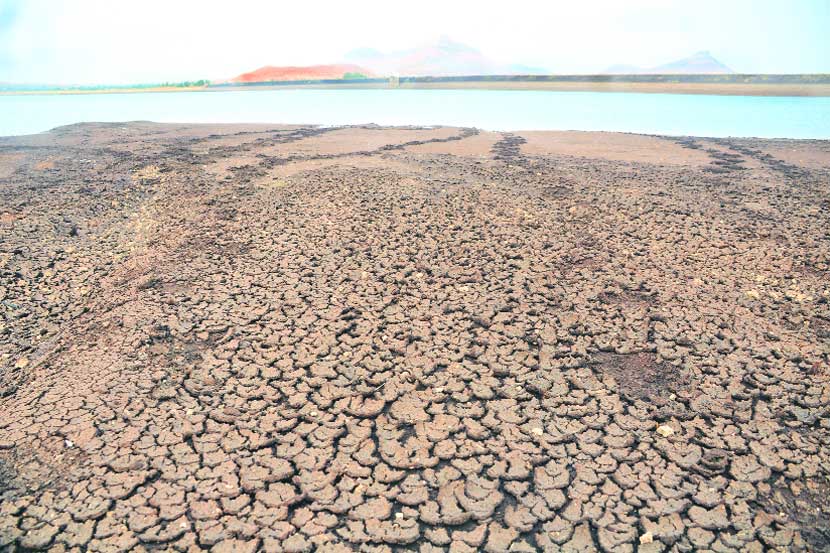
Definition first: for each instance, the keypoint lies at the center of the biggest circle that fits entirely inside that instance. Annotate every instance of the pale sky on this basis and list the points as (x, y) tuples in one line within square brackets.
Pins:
[(133, 41)]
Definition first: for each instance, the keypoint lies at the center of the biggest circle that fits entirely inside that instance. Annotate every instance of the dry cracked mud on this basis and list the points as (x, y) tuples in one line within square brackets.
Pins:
[(292, 339)]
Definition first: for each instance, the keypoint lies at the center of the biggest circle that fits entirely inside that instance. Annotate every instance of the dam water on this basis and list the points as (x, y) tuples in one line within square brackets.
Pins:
[(669, 114)]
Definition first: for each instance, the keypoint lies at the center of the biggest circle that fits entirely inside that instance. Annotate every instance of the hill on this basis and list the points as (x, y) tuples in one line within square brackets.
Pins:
[(698, 63), (271, 73), (442, 58)]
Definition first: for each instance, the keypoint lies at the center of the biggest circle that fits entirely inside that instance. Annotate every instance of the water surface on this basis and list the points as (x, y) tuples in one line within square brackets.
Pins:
[(674, 114)]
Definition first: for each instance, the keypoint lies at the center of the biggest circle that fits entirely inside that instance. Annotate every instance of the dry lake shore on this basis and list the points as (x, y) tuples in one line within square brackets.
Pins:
[(291, 338)]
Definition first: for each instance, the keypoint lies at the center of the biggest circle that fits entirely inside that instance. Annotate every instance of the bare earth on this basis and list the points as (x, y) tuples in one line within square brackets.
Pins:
[(233, 338)]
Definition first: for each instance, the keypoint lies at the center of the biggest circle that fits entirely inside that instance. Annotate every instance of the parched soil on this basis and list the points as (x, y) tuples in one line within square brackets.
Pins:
[(643, 375), (291, 339)]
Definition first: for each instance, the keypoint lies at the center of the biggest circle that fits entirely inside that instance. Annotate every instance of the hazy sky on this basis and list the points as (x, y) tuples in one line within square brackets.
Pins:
[(131, 41)]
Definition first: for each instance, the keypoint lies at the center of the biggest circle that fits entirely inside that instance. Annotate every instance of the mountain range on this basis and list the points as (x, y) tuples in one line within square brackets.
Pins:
[(446, 57)]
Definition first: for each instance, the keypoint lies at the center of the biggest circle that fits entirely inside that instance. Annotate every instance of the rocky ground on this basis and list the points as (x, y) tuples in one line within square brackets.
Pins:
[(370, 339)]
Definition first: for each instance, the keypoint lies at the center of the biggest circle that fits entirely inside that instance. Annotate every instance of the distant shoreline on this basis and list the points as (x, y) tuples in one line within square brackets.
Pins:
[(731, 89), (730, 85)]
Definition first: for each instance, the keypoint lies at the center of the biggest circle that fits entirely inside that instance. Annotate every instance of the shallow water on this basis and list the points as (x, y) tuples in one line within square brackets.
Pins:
[(674, 114)]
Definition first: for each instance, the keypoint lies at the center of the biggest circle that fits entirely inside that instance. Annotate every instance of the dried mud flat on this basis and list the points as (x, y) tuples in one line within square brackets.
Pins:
[(372, 339)]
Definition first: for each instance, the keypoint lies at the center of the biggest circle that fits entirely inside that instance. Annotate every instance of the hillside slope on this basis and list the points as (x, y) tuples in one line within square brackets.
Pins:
[(271, 73), (698, 63)]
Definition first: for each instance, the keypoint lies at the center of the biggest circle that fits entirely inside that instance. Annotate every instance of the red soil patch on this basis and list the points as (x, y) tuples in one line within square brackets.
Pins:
[(300, 73)]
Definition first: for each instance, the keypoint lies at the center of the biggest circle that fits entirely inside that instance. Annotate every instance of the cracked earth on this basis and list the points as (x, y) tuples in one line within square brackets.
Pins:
[(296, 339)]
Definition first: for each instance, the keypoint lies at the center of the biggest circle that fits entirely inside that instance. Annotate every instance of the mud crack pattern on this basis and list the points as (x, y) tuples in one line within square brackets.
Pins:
[(296, 339)]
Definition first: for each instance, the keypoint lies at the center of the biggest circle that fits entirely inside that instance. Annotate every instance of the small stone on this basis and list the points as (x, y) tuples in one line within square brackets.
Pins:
[(648, 537), (537, 431), (69, 443), (665, 430), (22, 363)]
